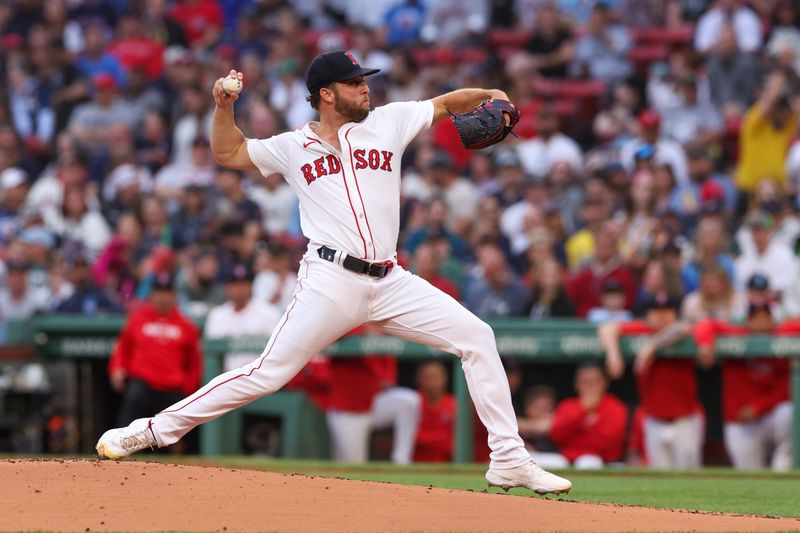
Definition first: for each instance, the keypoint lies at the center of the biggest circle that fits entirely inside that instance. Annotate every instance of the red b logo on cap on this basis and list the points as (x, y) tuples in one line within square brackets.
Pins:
[(351, 57)]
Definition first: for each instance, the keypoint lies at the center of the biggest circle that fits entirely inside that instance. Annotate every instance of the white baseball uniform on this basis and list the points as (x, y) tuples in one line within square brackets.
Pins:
[(766, 442), (350, 202), (256, 318)]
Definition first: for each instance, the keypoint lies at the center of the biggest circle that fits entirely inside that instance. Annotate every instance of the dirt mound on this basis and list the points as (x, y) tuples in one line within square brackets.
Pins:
[(84, 495)]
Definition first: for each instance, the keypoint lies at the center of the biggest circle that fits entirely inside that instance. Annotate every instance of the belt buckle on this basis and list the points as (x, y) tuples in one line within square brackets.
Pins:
[(383, 268)]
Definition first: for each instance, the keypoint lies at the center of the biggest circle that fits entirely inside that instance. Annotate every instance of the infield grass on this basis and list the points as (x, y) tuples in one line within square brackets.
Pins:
[(715, 489)]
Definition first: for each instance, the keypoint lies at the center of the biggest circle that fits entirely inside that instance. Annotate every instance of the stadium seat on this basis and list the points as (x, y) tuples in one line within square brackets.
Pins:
[(503, 38), (664, 36)]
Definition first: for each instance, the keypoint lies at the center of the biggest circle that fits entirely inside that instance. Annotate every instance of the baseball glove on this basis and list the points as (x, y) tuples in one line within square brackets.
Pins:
[(485, 125)]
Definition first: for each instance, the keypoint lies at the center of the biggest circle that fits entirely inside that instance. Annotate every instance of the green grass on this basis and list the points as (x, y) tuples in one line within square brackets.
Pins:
[(719, 490)]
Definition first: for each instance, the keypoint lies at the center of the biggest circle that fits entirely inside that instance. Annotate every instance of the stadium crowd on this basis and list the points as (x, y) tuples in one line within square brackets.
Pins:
[(655, 172)]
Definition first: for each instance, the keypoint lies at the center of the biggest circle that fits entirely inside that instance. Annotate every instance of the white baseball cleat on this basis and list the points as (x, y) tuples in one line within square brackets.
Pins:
[(531, 476), (121, 442)]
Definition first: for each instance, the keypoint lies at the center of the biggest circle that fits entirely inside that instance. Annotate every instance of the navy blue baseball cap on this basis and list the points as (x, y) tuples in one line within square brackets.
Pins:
[(238, 272), (339, 65)]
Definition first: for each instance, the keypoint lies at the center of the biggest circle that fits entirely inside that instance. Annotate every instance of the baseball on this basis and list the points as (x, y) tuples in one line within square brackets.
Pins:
[(232, 85)]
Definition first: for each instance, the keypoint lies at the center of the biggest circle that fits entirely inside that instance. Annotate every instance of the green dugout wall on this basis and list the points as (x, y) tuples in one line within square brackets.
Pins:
[(564, 341)]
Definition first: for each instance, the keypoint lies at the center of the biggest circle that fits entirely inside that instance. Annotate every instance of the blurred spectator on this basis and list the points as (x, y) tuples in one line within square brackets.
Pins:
[(767, 132), (193, 123), (275, 283), (241, 315), (135, 49), (79, 223), (434, 442), (18, 301), (658, 278), (665, 150), (403, 23), (585, 287), (197, 284), (784, 37), (115, 270), (124, 190), (441, 179), (435, 215), (13, 190), (451, 22), (552, 46), (194, 220), (165, 30), (637, 243), (277, 203), (673, 424), (550, 146), (692, 122), (769, 257), (156, 229), (90, 121), (733, 75), (494, 292), (426, 264), (87, 299), (199, 170), (612, 304), (580, 247), (589, 429), (769, 199), (153, 142), (548, 297), (232, 205), (201, 21), (535, 421), (365, 396), (157, 359), (710, 249), (740, 18), (95, 62), (288, 94), (602, 52), (28, 100), (715, 298), (519, 220), (756, 403), (712, 189), (510, 183)]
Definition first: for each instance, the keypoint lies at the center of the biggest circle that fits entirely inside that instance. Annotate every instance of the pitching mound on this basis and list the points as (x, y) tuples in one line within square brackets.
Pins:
[(84, 495)]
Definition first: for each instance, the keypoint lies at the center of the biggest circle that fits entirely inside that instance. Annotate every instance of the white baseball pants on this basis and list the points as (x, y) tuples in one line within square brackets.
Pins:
[(328, 302), (674, 444), (397, 408), (764, 442)]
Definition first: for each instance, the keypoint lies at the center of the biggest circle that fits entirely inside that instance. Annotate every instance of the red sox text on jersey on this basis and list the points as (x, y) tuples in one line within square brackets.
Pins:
[(331, 165)]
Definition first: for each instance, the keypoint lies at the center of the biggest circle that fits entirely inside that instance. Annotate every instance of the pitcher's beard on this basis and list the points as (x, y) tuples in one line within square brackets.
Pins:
[(351, 111)]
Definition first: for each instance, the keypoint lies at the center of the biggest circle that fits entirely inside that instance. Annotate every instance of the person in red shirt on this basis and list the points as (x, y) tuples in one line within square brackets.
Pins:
[(201, 21), (135, 49), (674, 426), (434, 442), (585, 287), (756, 404), (157, 359), (426, 264), (364, 396), (589, 429)]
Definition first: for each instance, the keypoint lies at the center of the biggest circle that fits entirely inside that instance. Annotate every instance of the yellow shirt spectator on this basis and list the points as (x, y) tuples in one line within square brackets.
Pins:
[(762, 149), (579, 248)]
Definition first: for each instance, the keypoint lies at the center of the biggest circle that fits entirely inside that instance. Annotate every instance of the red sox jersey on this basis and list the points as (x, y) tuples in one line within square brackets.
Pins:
[(349, 200)]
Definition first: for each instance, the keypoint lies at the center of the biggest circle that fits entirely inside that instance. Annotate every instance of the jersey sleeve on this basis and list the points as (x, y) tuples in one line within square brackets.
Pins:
[(408, 118), (268, 155)]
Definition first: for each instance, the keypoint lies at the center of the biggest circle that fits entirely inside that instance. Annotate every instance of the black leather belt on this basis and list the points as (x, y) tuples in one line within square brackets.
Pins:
[(354, 264)]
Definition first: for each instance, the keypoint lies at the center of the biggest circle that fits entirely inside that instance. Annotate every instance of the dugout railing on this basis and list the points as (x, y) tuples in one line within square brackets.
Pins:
[(560, 340)]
